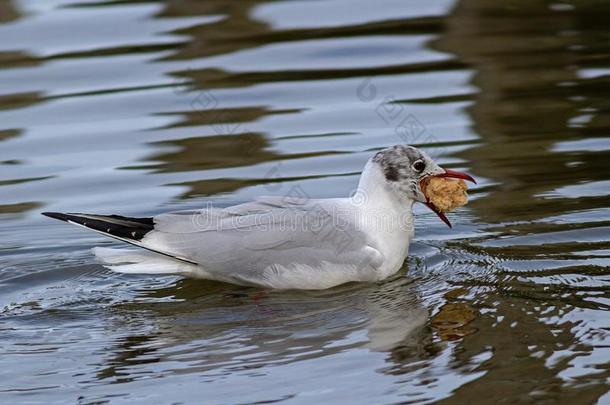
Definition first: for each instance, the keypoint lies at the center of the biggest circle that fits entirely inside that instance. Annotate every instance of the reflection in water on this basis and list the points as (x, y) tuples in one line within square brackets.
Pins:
[(20, 100), (196, 326), (22, 206), (235, 31), (222, 120), (17, 208), (9, 133), (213, 152), (8, 12), (531, 93), (532, 96)]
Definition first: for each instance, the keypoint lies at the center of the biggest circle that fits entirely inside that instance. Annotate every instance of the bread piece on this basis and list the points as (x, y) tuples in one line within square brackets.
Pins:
[(446, 194)]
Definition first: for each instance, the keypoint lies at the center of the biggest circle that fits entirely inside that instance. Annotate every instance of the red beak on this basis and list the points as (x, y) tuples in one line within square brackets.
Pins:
[(456, 175), (453, 174)]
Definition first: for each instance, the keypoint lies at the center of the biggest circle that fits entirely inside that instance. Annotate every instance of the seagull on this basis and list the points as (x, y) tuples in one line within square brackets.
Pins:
[(283, 242)]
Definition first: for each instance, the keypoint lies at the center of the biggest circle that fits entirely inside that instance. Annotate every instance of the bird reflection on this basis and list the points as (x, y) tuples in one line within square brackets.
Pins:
[(208, 326)]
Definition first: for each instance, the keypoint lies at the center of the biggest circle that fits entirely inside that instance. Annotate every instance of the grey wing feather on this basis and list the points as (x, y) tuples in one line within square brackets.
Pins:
[(213, 219), (269, 232)]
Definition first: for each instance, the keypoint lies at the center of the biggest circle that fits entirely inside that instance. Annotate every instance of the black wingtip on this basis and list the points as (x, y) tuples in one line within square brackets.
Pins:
[(56, 215), (116, 226)]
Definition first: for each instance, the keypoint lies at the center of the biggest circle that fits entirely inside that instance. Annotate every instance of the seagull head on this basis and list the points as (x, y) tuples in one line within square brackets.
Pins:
[(404, 168)]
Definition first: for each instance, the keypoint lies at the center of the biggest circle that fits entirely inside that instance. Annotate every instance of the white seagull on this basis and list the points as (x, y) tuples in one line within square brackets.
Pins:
[(286, 242)]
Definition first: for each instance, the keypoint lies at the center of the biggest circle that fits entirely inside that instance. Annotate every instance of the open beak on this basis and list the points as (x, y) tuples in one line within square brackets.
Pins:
[(453, 174), (456, 175)]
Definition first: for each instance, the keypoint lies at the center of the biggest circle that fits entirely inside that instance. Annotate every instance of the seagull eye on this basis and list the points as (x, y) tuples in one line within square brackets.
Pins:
[(419, 166)]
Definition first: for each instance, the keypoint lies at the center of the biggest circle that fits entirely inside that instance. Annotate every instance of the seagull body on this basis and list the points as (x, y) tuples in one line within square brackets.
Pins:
[(282, 242)]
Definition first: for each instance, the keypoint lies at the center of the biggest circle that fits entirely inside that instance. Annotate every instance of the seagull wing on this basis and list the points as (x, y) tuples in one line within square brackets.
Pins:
[(260, 242), (269, 239)]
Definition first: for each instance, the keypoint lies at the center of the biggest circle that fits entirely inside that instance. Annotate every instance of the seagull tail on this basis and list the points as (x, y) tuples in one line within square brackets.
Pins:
[(126, 229), (137, 261)]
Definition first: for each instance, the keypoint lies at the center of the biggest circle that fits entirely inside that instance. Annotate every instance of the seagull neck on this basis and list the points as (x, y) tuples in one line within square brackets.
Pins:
[(375, 194), (385, 214)]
